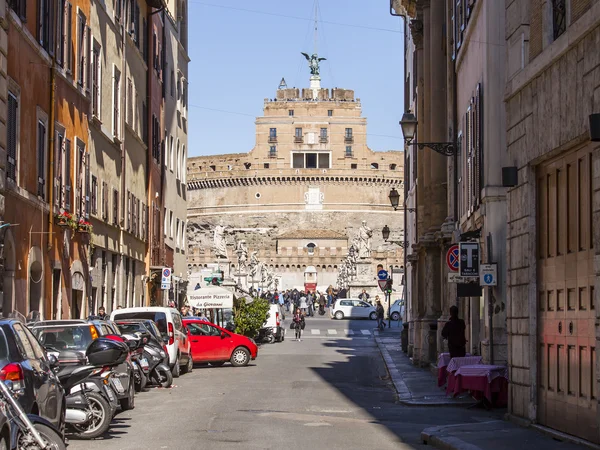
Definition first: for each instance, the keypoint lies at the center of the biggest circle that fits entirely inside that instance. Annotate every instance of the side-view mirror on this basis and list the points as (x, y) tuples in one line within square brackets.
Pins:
[(53, 361), (224, 335)]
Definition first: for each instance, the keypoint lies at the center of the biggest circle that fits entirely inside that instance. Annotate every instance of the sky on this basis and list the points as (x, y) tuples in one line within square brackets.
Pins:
[(240, 51)]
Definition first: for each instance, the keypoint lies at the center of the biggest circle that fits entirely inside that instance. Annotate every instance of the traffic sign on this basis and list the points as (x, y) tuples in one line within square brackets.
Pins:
[(488, 275), (166, 278), (469, 259), (165, 286), (454, 277), (452, 259), (382, 274), (382, 284)]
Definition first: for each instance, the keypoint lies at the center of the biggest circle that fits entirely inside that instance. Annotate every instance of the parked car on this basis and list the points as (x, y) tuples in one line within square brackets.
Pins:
[(168, 321), (215, 345), (353, 308), (24, 362), (71, 338), (397, 310), (274, 322)]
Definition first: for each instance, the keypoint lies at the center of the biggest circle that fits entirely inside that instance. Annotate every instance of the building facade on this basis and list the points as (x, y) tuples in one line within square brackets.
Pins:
[(553, 69), (77, 143), (299, 196)]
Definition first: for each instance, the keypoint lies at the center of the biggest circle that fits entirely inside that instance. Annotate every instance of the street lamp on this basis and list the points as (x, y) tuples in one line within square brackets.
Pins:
[(385, 233), (409, 127), (394, 198)]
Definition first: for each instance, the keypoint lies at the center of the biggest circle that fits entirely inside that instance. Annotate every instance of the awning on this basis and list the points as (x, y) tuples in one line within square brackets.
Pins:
[(210, 297)]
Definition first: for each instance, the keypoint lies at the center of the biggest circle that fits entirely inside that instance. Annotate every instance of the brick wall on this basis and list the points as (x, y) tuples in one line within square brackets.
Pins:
[(536, 29), (578, 8)]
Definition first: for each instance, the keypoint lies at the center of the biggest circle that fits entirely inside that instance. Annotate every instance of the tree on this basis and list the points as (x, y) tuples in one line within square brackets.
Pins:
[(250, 317)]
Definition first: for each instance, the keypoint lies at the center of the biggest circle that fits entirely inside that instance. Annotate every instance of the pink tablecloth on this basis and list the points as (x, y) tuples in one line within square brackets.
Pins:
[(483, 381), (447, 364)]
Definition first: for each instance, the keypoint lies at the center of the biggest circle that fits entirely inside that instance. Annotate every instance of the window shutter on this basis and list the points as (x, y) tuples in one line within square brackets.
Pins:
[(88, 59), (469, 192), (58, 179), (12, 138), (479, 141), (128, 211), (68, 38), (41, 155), (87, 185), (67, 175)]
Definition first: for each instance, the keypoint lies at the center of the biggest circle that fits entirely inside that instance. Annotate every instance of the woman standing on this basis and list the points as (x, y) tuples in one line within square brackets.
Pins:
[(298, 323)]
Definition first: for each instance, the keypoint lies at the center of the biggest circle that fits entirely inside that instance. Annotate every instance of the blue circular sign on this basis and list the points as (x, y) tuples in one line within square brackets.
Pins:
[(382, 274), (488, 278)]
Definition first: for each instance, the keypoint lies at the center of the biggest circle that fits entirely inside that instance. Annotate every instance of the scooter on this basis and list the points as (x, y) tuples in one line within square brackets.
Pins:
[(158, 364), (265, 335), (139, 363), (88, 413)]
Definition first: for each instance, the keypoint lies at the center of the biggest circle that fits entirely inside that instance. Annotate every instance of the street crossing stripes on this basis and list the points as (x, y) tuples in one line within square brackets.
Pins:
[(365, 332), (331, 331), (313, 331), (349, 332)]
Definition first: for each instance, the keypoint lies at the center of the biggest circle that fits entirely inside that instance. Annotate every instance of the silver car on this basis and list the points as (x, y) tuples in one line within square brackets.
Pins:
[(353, 308)]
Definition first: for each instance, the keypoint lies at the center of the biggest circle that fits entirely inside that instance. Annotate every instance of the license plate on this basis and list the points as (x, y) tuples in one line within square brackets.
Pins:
[(111, 395), (118, 385), (144, 363)]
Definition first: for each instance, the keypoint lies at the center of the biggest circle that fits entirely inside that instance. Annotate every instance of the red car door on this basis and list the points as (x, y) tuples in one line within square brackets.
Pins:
[(202, 340), (224, 347)]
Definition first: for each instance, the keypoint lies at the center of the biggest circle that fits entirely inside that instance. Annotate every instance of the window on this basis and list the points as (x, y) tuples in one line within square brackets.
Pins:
[(183, 165), (392, 166), (20, 7), (171, 223), (298, 132), (166, 218), (96, 71), (46, 25), (272, 152), (58, 165), (82, 48), (118, 8), (247, 165), (81, 195), (330, 112), (323, 135), (311, 249), (129, 101), (94, 195), (348, 151), (12, 137), (172, 159), (311, 160), (273, 135), (156, 140), (559, 17), (104, 201), (134, 22), (115, 207), (291, 113), (354, 166), (116, 103), (177, 234), (348, 135), (128, 223), (177, 169), (473, 154), (41, 158), (374, 166), (266, 165), (172, 83), (67, 175)]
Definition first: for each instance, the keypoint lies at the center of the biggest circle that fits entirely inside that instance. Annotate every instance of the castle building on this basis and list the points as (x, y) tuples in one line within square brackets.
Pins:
[(299, 196)]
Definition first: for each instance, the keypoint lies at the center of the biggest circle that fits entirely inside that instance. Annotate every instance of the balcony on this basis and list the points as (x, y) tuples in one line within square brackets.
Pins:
[(273, 154), (349, 139), (299, 139), (349, 154), (272, 139), (323, 139)]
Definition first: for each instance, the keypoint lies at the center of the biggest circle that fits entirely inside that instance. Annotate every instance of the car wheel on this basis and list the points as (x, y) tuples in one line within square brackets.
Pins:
[(339, 315), (129, 402), (240, 357), (395, 316), (176, 368), (373, 316), (217, 363), (271, 339)]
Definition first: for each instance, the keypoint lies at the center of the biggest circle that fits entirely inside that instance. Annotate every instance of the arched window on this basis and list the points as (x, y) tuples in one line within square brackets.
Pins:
[(374, 166), (311, 249)]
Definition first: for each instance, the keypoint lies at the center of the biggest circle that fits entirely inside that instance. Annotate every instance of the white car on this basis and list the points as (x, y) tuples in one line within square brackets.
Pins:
[(353, 308), (397, 310)]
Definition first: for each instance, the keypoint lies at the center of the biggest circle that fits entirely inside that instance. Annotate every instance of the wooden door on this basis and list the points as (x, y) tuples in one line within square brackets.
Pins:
[(567, 396)]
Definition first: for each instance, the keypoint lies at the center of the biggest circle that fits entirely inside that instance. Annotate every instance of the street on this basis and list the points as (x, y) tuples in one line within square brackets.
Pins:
[(329, 391)]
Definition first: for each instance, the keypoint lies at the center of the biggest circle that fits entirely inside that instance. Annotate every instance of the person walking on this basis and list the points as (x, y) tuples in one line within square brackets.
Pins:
[(329, 295), (310, 299), (322, 303), (102, 313), (454, 332), (303, 303), (298, 324), (380, 322), (364, 296)]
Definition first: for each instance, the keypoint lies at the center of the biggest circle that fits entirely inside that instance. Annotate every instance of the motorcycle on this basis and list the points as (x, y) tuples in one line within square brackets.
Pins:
[(158, 364), (89, 413), (140, 364), (265, 335), (27, 431)]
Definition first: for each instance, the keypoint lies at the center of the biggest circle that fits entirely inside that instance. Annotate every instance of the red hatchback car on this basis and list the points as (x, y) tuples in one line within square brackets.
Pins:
[(215, 345)]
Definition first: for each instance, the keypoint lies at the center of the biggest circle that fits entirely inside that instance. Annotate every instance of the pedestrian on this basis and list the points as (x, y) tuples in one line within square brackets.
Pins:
[(310, 299), (329, 295), (299, 324), (303, 304), (322, 303), (377, 299), (185, 311), (454, 332), (102, 313), (379, 309), (364, 296)]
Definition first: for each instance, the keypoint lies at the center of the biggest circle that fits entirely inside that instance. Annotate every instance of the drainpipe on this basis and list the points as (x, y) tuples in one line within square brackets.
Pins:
[(51, 150), (123, 109)]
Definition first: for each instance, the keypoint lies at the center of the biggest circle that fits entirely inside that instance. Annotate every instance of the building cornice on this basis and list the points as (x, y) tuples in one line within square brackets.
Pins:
[(261, 181)]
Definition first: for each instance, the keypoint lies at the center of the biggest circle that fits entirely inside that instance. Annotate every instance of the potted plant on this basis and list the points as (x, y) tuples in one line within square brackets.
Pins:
[(84, 226), (64, 219)]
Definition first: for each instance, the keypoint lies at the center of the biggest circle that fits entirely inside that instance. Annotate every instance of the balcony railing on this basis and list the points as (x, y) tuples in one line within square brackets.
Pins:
[(272, 139), (349, 154), (323, 139), (298, 139), (272, 154), (349, 139)]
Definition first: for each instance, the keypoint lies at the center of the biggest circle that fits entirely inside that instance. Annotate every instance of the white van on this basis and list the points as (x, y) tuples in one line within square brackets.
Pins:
[(168, 321), (274, 321)]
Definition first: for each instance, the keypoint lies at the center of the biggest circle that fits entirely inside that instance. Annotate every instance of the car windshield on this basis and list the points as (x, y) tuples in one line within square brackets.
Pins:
[(64, 338), (130, 328), (159, 317)]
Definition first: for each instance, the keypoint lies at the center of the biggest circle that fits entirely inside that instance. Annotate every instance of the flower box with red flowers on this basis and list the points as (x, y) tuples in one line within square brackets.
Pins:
[(64, 219), (85, 227)]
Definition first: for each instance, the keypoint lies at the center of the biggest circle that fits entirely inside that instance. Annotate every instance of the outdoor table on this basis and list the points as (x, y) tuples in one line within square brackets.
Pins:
[(447, 364), (483, 381)]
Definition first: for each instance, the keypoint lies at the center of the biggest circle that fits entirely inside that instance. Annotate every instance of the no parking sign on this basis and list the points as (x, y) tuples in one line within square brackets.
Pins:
[(452, 259)]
